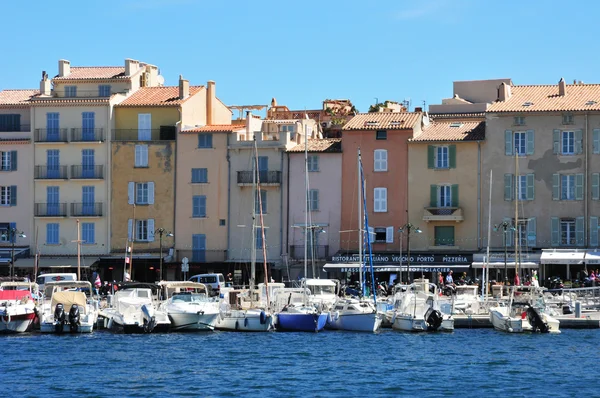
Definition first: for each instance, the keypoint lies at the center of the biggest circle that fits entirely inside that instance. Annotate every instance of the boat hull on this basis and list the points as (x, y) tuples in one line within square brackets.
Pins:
[(187, 321), (19, 323), (245, 321), (355, 322), (504, 323), (299, 322), (50, 327), (409, 324)]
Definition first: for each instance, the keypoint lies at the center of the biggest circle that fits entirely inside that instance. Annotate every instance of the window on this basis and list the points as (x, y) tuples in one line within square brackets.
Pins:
[(568, 118), (259, 237), (104, 90), (521, 231), (141, 193), (381, 160), (568, 142), (198, 248), (8, 161), (288, 128), (380, 200), (521, 143), (52, 234), (380, 235), (381, 135), (222, 222), (444, 236), (441, 157), (313, 163), (141, 230), (70, 91), (5, 196), (199, 206), (519, 121), (199, 176), (205, 140), (88, 232), (444, 196), (141, 156), (10, 122), (567, 187), (567, 232), (522, 187), (313, 200), (263, 200)]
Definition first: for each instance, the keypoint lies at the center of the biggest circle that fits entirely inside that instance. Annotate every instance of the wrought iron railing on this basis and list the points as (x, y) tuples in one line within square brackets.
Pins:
[(266, 177), (202, 256), (50, 210), (80, 172), (86, 209), (51, 135), (51, 173), (87, 135), (165, 133)]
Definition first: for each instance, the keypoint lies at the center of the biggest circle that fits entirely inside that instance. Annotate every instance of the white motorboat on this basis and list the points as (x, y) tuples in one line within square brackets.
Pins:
[(135, 309), (322, 293), (188, 306), (67, 309), (17, 307), (418, 310), (354, 315), (238, 311)]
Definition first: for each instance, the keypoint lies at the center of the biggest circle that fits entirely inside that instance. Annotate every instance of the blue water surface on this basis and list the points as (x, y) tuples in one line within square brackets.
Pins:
[(467, 363)]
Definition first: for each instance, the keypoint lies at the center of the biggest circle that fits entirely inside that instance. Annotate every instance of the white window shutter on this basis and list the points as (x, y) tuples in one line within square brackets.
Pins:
[(531, 233), (389, 235), (150, 193), (579, 231), (138, 156), (151, 230), (130, 192), (129, 229), (555, 228), (384, 199), (384, 160), (371, 234), (376, 200)]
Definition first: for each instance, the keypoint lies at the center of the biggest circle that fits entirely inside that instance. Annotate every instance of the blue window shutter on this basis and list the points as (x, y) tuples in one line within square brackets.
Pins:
[(508, 187), (430, 157), (130, 192), (596, 141), (531, 232), (555, 186), (594, 231), (13, 195), (209, 141), (130, 229), (578, 141), (195, 175), (13, 227), (452, 156), (556, 141), (555, 228), (579, 186), (150, 230), (195, 206), (13, 160), (530, 187), (595, 186), (509, 232), (433, 195), (203, 206), (508, 142), (454, 195), (150, 193), (580, 231), (530, 142)]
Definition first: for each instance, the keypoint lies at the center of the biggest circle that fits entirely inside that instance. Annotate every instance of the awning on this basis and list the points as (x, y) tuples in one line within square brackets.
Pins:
[(6, 254), (511, 264), (355, 267), (54, 262), (562, 256)]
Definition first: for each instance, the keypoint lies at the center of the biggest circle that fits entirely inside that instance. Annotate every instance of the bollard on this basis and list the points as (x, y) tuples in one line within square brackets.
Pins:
[(578, 309)]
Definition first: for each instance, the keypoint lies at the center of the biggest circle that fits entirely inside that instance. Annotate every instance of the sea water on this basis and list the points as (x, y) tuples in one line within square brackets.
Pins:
[(465, 363)]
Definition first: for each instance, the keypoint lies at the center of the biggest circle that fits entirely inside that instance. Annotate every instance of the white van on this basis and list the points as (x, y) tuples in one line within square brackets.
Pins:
[(215, 281), (44, 278)]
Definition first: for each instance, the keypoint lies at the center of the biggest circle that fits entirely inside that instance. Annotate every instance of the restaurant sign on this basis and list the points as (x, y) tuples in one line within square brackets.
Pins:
[(423, 259)]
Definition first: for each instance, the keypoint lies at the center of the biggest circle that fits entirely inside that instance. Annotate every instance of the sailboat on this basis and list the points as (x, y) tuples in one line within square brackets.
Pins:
[(240, 310)]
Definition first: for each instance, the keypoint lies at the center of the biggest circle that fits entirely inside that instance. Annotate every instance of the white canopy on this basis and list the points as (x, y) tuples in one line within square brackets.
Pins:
[(510, 264), (563, 256)]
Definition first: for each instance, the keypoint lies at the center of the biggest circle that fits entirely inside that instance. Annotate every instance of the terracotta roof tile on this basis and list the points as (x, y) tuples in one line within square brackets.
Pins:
[(60, 101), (320, 145), (94, 72), (16, 97), (452, 131), (216, 128), (472, 115), (7, 141), (578, 97), (158, 96), (383, 120)]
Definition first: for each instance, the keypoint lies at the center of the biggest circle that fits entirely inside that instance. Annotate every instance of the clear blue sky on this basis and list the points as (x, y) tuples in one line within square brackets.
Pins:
[(302, 52)]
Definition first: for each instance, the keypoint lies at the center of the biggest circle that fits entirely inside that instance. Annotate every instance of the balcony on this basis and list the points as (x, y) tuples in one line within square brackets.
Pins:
[(86, 209), (266, 177), (51, 135), (50, 210), (202, 256), (15, 128), (79, 172), (320, 252), (164, 133), (50, 173), (443, 214), (87, 135)]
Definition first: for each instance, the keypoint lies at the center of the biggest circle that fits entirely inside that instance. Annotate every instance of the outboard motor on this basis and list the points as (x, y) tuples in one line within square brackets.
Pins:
[(59, 318), (74, 318), (434, 319), (149, 318), (536, 321)]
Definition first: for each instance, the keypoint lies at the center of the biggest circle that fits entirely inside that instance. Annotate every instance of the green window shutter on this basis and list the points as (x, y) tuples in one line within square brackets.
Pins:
[(556, 140), (594, 231), (433, 196), (555, 235), (595, 186), (452, 156), (454, 193), (530, 142), (555, 186), (596, 141), (580, 231), (578, 141), (430, 157), (508, 142), (509, 232), (579, 186), (13, 160), (13, 195), (531, 233), (530, 187), (508, 189)]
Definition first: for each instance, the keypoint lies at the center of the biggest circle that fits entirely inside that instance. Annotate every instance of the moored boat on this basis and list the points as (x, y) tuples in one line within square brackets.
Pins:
[(67, 309), (17, 307), (188, 306)]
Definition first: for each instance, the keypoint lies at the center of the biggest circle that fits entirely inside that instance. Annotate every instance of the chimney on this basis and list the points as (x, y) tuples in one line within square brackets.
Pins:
[(131, 66), (562, 87), (210, 101), (248, 122), (504, 92), (64, 68), (45, 84), (418, 109), (184, 88)]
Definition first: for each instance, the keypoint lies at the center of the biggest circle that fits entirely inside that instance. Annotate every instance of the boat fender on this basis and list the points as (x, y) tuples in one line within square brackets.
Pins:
[(237, 325), (246, 322), (263, 318), (336, 316), (221, 314), (6, 318), (394, 318), (110, 323), (329, 317)]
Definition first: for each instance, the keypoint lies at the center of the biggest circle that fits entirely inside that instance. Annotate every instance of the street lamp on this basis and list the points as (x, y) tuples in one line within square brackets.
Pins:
[(11, 234), (408, 227), (160, 233), (505, 226)]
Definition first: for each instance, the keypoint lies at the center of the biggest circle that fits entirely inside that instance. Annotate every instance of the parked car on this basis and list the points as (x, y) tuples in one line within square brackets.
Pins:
[(215, 282)]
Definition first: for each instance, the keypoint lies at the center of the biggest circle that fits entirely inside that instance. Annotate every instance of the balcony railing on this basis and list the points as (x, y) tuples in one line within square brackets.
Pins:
[(51, 135), (51, 173), (266, 177), (320, 252), (50, 210), (79, 172), (164, 133), (87, 135), (14, 128), (86, 209), (443, 214), (202, 256)]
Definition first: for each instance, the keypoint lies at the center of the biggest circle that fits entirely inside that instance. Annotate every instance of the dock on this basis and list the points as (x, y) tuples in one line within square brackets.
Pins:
[(586, 321)]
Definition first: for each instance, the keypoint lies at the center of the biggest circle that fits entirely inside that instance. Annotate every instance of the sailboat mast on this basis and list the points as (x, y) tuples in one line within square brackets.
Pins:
[(78, 251), (489, 237), (306, 206), (517, 231), (262, 232), (255, 192), (360, 227)]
